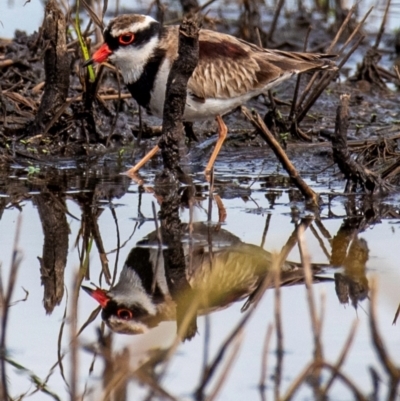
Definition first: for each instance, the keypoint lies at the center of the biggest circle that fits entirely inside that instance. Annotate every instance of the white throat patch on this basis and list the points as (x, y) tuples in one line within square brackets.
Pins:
[(131, 61)]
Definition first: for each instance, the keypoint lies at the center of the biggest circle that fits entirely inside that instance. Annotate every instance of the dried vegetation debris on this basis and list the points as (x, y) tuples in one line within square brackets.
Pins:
[(66, 130), (96, 114)]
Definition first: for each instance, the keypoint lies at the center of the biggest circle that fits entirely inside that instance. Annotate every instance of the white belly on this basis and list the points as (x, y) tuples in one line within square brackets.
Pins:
[(197, 111), (194, 109), (211, 107)]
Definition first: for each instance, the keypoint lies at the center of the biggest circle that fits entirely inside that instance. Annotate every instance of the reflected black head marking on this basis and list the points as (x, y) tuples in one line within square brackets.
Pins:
[(111, 309)]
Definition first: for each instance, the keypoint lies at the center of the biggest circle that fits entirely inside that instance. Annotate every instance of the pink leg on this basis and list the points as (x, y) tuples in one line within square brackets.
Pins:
[(222, 133), (132, 171)]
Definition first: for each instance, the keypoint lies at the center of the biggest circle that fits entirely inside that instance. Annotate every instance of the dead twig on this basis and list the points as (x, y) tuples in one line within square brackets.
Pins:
[(259, 124), (274, 21), (382, 27)]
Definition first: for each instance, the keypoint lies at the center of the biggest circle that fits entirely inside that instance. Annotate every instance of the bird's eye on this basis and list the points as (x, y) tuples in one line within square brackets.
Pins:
[(124, 314), (126, 39)]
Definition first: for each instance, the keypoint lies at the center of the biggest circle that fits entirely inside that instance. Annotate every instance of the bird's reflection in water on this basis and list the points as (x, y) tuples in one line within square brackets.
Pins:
[(220, 269)]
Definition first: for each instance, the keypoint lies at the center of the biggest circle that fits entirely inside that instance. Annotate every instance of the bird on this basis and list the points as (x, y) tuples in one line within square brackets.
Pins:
[(220, 269), (230, 71)]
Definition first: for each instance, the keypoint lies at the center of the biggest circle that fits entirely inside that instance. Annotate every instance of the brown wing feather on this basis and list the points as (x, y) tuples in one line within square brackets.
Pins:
[(230, 67), (226, 68)]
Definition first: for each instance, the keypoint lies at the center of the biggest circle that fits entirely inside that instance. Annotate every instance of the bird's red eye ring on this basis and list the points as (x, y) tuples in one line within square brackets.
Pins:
[(126, 39), (124, 314)]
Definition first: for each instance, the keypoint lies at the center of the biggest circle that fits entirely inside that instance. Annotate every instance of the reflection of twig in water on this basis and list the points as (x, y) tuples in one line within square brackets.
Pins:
[(316, 320), (73, 344), (279, 331), (210, 196), (322, 228), (159, 247), (125, 242), (309, 369), (391, 369), (228, 365), (264, 235), (320, 242), (207, 336), (114, 215), (208, 373), (341, 358), (264, 361), (60, 356), (5, 300), (396, 315)]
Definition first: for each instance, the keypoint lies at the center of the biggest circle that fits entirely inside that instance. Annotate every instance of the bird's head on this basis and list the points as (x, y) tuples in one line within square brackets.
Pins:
[(125, 312), (129, 41)]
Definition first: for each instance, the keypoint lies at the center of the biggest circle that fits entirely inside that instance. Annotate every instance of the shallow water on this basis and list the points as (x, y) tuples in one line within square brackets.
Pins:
[(32, 335)]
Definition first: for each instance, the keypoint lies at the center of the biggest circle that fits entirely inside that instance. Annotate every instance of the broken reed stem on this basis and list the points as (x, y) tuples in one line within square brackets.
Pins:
[(330, 48), (297, 87), (341, 29), (259, 124), (356, 29), (275, 20), (324, 82), (382, 27), (328, 75)]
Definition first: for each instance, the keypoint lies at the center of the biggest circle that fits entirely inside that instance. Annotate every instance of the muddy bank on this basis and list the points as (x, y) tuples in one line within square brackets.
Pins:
[(113, 127)]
